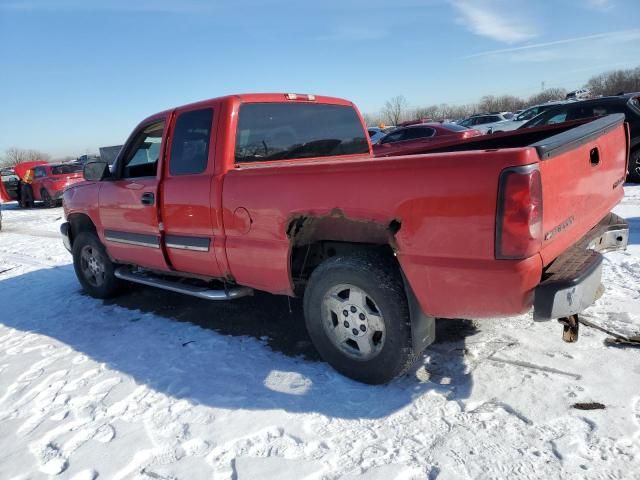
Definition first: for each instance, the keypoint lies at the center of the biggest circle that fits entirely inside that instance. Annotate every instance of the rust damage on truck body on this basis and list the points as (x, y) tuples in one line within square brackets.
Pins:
[(304, 229), (315, 237)]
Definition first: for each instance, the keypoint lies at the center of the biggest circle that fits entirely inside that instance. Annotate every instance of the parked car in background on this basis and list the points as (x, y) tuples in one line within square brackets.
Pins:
[(9, 184), (517, 120), (485, 123), (376, 133), (580, 94), (40, 181), (109, 154), (407, 138), (82, 159), (415, 121), (629, 104)]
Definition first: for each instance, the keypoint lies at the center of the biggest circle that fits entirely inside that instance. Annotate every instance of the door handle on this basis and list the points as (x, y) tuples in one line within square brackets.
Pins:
[(147, 198)]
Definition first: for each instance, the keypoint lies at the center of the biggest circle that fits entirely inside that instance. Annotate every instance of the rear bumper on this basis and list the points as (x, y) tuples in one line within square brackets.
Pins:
[(572, 282), (64, 231)]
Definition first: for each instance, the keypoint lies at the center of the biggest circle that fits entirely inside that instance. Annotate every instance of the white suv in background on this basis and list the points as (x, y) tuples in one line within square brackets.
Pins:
[(486, 123), (524, 117)]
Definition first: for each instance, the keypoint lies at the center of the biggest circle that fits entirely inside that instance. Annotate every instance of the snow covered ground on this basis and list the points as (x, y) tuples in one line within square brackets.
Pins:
[(156, 386)]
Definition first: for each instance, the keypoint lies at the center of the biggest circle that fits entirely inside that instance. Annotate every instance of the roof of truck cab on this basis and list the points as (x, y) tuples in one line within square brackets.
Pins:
[(255, 98)]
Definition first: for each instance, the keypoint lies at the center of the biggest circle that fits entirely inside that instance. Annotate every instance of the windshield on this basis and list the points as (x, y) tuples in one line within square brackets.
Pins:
[(529, 113)]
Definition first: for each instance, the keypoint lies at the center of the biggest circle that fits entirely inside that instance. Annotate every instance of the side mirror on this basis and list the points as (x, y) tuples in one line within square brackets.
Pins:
[(96, 171)]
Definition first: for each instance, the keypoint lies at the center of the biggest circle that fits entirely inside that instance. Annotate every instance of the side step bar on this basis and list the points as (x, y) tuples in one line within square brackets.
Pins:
[(125, 273)]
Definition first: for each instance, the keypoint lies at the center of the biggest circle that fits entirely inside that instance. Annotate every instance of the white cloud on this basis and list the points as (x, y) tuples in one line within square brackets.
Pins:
[(602, 5), (549, 50), (496, 19)]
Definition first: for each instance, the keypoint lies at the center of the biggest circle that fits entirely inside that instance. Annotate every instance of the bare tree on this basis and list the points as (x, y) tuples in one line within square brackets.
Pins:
[(547, 95), (372, 119), (609, 83), (614, 82), (395, 110), (13, 156), (503, 103)]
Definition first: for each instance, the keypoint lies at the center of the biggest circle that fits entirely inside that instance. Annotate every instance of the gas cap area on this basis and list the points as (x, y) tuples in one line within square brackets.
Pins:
[(242, 220)]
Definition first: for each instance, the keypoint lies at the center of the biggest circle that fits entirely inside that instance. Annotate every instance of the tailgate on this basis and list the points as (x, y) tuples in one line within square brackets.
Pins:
[(583, 170)]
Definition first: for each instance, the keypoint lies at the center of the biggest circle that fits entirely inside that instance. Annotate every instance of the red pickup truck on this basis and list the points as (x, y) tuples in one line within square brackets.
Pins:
[(281, 193)]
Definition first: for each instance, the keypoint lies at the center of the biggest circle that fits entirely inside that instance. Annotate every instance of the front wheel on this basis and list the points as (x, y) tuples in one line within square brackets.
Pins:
[(357, 316), (93, 267)]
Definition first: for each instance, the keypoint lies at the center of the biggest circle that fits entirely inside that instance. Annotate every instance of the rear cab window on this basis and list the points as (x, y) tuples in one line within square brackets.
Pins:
[(284, 131), (190, 144)]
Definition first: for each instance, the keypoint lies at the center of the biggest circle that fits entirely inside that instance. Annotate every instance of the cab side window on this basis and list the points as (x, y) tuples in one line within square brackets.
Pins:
[(141, 159), (190, 144), (39, 172)]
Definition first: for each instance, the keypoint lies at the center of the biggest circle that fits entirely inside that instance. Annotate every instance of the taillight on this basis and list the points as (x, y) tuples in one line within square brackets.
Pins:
[(519, 213)]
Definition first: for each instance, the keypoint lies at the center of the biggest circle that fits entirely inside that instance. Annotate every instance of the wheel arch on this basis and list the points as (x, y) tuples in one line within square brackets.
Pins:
[(80, 222), (315, 238)]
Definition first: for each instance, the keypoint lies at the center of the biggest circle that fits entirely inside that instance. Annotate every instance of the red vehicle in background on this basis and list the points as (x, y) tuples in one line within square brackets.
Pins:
[(404, 140), (41, 181)]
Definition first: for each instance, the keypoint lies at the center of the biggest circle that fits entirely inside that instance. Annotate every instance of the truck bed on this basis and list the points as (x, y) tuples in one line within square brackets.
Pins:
[(445, 200)]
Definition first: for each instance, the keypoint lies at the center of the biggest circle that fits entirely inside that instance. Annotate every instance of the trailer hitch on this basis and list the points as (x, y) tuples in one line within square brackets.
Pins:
[(570, 328)]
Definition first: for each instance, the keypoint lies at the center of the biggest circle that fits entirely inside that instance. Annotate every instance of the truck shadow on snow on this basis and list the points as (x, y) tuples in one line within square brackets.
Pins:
[(252, 353)]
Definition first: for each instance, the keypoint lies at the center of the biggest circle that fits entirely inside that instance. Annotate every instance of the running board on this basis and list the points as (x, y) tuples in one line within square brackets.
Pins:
[(125, 273)]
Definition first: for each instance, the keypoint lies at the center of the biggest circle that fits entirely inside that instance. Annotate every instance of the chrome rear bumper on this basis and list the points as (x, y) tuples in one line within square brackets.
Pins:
[(572, 282)]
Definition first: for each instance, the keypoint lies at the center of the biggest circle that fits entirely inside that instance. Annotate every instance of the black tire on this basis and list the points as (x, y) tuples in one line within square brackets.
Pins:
[(26, 196), (101, 285), (379, 277), (634, 166), (46, 199)]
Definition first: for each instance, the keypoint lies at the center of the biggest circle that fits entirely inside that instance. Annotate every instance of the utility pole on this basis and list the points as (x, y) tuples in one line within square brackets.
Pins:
[(542, 85)]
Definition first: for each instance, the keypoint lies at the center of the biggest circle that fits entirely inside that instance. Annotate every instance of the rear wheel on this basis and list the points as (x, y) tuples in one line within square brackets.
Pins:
[(46, 199), (634, 166), (93, 267), (357, 316)]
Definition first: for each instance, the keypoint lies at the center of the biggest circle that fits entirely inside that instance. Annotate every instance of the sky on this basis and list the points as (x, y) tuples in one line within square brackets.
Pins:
[(79, 74)]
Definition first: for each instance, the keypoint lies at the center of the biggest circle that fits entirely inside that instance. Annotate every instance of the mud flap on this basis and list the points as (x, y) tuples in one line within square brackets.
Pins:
[(423, 327)]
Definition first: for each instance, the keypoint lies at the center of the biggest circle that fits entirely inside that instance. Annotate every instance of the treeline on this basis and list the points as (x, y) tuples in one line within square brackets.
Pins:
[(13, 156), (614, 82), (397, 110)]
